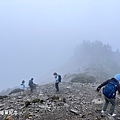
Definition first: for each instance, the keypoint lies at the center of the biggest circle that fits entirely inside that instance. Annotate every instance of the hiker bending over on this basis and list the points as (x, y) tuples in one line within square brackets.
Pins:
[(109, 91), (31, 85), (57, 81)]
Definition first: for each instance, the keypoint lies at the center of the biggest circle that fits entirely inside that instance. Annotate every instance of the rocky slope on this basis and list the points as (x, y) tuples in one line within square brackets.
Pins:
[(75, 101)]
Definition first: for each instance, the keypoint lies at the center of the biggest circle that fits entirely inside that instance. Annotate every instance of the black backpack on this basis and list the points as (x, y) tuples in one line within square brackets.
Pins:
[(59, 78)]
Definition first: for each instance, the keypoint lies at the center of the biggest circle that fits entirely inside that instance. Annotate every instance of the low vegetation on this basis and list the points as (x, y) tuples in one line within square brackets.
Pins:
[(83, 78), (4, 96), (17, 90)]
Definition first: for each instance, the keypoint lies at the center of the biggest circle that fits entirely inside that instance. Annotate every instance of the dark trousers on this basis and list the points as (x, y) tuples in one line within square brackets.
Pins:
[(57, 86), (31, 88), (107, 101)]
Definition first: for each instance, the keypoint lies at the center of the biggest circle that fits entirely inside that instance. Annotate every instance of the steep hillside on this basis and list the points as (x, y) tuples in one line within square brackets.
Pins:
[(96, 59), (75, 101)]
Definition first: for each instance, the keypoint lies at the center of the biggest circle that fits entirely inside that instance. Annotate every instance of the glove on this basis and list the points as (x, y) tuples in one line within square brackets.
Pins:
[(98, 89)]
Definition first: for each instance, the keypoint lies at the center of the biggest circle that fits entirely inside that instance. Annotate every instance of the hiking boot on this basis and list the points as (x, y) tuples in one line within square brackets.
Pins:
[(113, 115), (102, 113)]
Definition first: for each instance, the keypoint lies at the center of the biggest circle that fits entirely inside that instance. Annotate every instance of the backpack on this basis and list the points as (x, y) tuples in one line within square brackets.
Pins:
[(30, 83), (110, 89), (59, 78)]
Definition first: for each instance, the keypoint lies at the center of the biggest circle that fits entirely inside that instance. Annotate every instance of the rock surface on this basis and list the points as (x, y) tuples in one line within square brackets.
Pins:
[(75, 101)]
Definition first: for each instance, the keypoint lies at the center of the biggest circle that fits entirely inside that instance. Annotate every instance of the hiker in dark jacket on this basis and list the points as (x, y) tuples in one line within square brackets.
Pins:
[(109, 91), (56, 81), (31, 85)]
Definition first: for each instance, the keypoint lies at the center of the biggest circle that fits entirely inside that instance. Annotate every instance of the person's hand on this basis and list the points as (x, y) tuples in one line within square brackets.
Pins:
[(98, 89)]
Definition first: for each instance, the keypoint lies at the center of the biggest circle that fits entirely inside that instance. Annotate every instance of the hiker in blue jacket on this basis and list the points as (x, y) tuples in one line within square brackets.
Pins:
[(57, 80), (109, 91)]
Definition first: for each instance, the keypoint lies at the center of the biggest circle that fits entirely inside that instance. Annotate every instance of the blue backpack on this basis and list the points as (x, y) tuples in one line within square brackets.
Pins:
[(110, 89), (30, 83)]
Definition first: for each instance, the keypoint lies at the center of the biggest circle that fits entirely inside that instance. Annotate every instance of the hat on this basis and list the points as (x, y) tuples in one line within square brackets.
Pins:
[(54, 73), (117, 77), (23, 81)]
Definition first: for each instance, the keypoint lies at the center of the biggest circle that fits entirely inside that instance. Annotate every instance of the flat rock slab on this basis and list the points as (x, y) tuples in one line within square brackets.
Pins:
[(97, 101)]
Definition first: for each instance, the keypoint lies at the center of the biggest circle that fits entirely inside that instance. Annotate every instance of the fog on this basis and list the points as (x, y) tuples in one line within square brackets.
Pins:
[(38, 37)]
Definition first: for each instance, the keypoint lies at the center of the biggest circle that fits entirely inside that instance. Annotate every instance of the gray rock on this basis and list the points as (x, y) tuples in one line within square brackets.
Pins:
[(74, 111)]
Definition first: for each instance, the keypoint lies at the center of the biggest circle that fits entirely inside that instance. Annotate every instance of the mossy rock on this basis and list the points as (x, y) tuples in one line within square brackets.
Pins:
[(54, 98), (36, 100)]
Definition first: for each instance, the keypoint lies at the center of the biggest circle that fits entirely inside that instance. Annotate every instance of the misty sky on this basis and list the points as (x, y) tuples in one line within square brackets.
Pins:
[(37, 37)]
